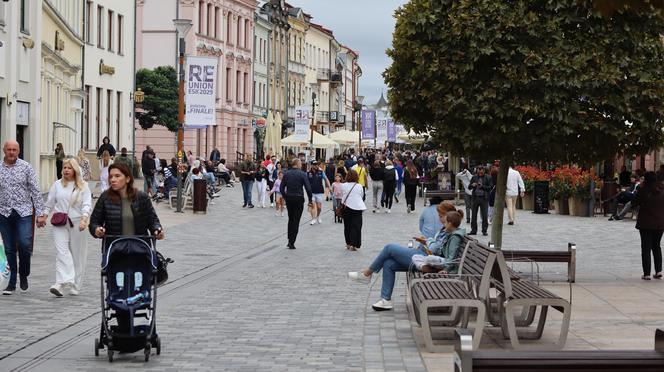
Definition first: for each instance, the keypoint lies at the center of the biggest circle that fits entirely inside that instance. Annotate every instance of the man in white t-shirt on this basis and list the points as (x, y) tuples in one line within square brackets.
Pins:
[(515, 187)]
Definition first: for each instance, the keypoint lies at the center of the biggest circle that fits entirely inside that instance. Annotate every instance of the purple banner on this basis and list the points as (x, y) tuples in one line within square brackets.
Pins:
[(391, 131), (368, 124)]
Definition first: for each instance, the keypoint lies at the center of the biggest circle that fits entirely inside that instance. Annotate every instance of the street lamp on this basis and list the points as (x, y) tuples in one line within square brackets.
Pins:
[(357, 107), (182, 26), (313, 122)]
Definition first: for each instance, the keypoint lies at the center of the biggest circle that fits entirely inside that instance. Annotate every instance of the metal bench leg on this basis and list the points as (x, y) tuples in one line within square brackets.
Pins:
[(515, 336), (426, 326)]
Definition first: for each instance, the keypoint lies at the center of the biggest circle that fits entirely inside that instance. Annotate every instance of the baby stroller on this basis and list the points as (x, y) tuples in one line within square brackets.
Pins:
[(128, 294)]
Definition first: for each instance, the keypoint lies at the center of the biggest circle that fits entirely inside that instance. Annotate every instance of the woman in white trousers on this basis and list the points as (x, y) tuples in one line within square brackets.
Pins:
[(70, 195)]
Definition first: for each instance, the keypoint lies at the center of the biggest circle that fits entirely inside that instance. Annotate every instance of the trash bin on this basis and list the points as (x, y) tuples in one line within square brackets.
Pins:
[(541, 197), (609, 190), (200, 196)]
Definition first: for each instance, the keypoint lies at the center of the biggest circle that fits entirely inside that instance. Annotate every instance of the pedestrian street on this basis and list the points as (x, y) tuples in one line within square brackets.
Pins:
[(238, 300)]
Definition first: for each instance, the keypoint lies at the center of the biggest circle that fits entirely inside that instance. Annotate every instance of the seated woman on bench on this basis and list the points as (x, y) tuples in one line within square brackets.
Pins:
[(395, 258)]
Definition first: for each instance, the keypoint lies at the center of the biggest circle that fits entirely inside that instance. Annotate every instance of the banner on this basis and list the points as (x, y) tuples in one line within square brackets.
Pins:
[(381, 131), (368, 122), (200, 91), (302, 122), (391, 131)]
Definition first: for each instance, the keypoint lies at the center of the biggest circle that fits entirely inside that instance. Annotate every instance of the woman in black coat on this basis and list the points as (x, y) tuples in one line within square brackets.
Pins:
[(650, 222), (106, 146), (123, 210)]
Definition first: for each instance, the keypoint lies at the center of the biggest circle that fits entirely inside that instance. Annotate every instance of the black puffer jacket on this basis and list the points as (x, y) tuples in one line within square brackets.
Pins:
[(109, 216)]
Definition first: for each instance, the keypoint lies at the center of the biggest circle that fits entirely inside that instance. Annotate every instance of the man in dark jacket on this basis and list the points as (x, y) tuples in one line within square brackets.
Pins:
[(247, 177), (480, 185), (291, 188), (148, 167)]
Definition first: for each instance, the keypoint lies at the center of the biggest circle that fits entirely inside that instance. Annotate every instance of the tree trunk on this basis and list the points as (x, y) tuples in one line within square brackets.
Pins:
[(499, 204)]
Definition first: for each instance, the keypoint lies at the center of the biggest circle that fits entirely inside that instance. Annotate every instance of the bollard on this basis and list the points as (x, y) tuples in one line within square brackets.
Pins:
[(200, 196)]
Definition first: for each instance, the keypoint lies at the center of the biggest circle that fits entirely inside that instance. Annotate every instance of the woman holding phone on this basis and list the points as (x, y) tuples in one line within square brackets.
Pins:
[(396, 258)]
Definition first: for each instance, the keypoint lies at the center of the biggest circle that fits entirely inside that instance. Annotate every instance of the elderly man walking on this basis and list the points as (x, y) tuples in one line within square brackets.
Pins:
[(291, 188), (19, 194), (515, 187)]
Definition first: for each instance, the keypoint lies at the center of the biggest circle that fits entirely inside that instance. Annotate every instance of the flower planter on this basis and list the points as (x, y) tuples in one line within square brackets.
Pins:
[(562, 206), (527, 201), (579, 207)]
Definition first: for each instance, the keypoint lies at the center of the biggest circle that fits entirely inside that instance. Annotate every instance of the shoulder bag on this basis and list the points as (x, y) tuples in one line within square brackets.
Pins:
[(60, 218), (340, 209)]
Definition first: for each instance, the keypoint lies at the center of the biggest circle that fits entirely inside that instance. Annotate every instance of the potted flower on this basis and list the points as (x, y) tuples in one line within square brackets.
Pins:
[(579, 202), (561, 189), (530, 174)]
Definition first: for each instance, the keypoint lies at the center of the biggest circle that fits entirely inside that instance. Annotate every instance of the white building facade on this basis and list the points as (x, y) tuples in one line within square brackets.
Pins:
[(20, 70), (262, 35), (108, 32)]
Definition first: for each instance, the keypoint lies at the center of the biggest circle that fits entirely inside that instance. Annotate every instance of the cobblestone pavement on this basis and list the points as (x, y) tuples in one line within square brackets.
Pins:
[(239, 300)]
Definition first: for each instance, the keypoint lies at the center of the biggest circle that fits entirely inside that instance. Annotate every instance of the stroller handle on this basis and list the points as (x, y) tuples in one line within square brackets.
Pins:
[(151, 237)]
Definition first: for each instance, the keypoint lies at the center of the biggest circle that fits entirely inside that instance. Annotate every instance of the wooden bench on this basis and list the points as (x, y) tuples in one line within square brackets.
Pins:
[(468, 360), (568, 256), (437, 302), (443, 194), (526, 296)]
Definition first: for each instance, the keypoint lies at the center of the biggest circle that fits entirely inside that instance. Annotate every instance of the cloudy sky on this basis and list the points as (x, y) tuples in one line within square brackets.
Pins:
[(365, 26)]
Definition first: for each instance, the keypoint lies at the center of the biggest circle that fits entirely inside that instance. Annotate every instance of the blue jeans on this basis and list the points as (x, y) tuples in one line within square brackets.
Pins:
[(17, 235), (247, 186), (392, 259)]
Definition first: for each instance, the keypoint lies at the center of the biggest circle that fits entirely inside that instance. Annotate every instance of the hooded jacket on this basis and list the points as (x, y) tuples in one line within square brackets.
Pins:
[(452, 250)]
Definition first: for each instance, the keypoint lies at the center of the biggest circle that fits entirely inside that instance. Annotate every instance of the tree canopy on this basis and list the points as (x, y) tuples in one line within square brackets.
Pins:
[(529, 79), (161, 97)]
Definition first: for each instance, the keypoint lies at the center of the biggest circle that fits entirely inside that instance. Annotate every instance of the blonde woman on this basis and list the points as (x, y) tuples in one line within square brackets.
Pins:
[(70, 195), (84, 163), (103, 173)]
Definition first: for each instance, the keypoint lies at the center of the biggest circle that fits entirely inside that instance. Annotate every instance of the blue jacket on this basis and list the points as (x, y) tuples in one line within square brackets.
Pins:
[(430, 222)]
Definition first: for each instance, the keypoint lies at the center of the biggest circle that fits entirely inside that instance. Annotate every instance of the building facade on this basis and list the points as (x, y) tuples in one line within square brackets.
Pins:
[(277, 14), (61, 83), (299, 24), (350, 75), (20, 76), (108, 75), (222, 29), (262, 35)]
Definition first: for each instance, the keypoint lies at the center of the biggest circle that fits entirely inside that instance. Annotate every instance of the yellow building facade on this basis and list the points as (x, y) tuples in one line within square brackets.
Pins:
[(299, 24)]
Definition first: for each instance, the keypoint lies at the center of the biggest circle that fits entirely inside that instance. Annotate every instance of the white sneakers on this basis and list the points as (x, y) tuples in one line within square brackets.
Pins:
[(313, 222), (388, 211), (56, 289), (276, 214), (73, 291), (271, 205), (320, 220), (316, 221), (359, 276), (382, 305)]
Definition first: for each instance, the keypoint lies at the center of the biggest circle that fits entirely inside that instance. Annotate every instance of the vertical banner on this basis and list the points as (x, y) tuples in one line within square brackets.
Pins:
[(391, 131), (200, 91), (302, 122), (381, 131), (368, 122)]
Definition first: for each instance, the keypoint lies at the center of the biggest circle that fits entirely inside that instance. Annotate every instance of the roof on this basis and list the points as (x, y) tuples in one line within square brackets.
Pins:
[(382, 102), (322, 29)]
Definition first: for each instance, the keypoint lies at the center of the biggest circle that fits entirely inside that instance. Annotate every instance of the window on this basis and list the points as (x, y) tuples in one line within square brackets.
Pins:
[(216, 25), (109, 98), (228, 84), (246, 33), (238, 26), (229, 28), (86, 119), (25, 17), (120, 34), (201, 17), (118, 115), (237, 86), (255, 92), (98, 114), (111, 17), (209, 28), (256, 52), (245, 91), (100, 26), (88, 21)]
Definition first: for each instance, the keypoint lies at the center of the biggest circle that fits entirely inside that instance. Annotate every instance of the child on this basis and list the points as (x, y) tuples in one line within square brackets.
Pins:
[(337, 194), (279, 199)]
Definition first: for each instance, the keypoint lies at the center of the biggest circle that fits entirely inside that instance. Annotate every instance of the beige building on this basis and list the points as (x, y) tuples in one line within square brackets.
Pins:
[(277, 55), (61, 83), (299, 24)]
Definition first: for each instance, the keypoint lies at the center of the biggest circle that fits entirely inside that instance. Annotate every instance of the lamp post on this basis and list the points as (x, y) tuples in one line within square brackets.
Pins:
[(182, 26), (357, 107), (313, 121)]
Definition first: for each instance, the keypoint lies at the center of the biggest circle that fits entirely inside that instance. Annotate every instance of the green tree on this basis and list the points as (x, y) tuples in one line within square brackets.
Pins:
[(528, 80), (161, 97)]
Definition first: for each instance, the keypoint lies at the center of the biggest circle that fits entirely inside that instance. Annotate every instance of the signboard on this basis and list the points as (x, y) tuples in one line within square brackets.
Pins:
[(22, 113), (391, 130), (260, 122), (302, 120), (368, 122), (334, 116), (381, 131), (200, 91)]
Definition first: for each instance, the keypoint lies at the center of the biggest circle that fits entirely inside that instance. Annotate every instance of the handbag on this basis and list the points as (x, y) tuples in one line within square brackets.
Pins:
[(340, 209), (60, 218), (162, 266)]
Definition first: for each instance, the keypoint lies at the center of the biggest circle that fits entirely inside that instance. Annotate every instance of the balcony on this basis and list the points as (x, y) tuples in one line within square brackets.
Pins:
[(323, 117), (323, 74)]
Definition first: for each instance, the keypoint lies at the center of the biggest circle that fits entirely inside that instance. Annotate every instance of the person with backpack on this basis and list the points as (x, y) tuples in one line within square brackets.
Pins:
[(377, 174), (481, 185), (389, 184)]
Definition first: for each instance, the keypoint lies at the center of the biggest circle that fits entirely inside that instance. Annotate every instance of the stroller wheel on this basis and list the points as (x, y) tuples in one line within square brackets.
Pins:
[(110, 356), (158, 346), (147, 351), (96, 347)]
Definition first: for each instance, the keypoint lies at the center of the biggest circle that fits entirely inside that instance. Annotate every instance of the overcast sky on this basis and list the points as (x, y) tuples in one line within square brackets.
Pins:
[(366, 26)]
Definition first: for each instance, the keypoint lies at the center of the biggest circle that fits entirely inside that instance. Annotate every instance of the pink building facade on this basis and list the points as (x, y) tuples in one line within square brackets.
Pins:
[(222, 29)]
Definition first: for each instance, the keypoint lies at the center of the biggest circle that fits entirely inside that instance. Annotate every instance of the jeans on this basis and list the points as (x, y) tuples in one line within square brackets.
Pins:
[(399, 184), (147, 182), (352, 227), (295, 206), (377, 190), (17, 235), (650, 242), (468, 201), (246, 192), (481, 203), (392, 259)]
